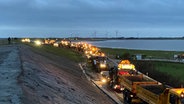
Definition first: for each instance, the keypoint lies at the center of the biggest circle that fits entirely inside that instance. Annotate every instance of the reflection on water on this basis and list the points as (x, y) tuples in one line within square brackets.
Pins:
[(167, 45)]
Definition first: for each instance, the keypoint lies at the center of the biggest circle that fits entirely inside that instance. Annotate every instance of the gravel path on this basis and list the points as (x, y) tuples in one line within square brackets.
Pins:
[(10, 68)]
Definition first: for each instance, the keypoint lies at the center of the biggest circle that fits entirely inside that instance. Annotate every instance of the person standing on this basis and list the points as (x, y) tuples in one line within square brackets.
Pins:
[(9, 40)]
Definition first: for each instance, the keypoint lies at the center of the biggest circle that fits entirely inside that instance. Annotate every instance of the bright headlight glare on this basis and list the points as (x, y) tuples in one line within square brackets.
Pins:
[(104, 80), (182, 94), (37, 42), (102, 65), (101, 73)]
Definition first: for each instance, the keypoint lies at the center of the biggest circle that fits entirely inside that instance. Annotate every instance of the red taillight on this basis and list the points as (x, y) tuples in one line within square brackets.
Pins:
[(123, 73), (117, 87)]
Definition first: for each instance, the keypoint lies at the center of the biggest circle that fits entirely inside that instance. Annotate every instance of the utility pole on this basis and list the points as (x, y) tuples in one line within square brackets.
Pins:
[(106, 34), (137, 35), (95, 34), (116, 33)]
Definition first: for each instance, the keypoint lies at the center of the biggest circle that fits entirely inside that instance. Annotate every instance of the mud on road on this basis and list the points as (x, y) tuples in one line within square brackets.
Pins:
[(44, 78)]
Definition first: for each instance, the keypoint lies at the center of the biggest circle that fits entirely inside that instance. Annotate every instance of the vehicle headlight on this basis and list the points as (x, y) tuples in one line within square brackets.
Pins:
[(37, 42), (23, 40), (115, 86), (90, 52), (56, 45), (102, 65), (101, 73), (131, 96), (104, 80), (182, 95)]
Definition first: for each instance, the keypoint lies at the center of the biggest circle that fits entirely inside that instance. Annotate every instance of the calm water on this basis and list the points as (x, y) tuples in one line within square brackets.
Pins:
[(166, 45)]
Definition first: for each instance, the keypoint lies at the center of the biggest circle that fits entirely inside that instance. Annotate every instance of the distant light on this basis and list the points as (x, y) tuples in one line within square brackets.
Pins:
[(56, 45), (38, 42), (26, 40)]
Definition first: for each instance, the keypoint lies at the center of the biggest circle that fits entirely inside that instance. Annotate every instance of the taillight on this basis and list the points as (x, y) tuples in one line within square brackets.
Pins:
[(123, 73)]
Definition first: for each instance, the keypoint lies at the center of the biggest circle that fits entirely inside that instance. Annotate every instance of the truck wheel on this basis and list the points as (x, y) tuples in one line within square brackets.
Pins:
[(111, 84), (127, 97), (98, 70), (143, 102)]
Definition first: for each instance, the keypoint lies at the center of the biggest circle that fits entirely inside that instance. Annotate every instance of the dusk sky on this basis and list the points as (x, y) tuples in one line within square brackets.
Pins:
[(92, 18)]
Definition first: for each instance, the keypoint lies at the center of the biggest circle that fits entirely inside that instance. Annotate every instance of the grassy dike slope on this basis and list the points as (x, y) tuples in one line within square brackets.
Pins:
[(65, 52)]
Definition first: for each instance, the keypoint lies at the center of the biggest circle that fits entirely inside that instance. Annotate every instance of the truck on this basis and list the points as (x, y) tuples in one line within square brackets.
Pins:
[(99, 63), (124, 68), (130, 83), (93, 51), (65, 43), (160, 94), (139, 88), (49, 41)]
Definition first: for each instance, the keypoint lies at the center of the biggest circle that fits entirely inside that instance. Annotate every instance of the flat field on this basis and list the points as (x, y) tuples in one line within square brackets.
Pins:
[(148, 53), (173, 69)]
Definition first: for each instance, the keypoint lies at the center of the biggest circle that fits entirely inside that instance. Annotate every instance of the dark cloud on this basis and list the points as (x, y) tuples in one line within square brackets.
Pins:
[(85, 16)]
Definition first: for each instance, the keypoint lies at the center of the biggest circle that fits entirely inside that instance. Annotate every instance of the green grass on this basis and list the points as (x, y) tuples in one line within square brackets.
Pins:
[(149, 53), (64, 52), (3, 42), (174, 69)]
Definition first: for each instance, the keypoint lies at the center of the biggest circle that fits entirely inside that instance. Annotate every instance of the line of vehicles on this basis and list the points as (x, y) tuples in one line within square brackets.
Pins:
[(125, 79)]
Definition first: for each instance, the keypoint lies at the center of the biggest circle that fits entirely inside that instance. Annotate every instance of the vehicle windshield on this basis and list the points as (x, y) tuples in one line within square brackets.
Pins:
[(174, 99), (182, 100)]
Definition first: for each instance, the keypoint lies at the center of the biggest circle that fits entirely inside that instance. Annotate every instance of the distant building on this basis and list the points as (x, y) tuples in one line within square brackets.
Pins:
[(138, 56), (179, 57)]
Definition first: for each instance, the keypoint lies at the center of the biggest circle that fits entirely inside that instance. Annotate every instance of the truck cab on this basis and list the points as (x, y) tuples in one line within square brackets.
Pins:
[(124, 68), (160, 94), (176, 96), (99, 63)]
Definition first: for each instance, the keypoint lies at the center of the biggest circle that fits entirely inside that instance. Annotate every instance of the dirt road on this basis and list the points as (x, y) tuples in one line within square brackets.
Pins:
[(44, 78)]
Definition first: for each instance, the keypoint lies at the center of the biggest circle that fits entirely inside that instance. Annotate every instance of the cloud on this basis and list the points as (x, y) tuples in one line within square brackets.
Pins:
[(32, 15)]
